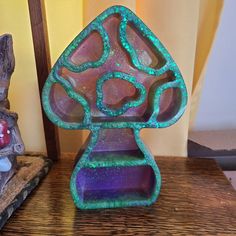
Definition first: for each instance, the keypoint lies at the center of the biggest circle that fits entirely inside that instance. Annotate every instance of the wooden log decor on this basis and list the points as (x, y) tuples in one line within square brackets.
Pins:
[(11, 143)]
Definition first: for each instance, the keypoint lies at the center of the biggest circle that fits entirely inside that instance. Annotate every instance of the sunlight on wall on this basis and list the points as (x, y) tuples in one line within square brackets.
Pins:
[(179, 34)]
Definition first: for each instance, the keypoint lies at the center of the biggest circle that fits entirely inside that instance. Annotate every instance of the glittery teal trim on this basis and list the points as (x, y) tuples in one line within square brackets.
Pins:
[(131, 51), (64, 60), (179, 84), (116, 112), (75, 96)]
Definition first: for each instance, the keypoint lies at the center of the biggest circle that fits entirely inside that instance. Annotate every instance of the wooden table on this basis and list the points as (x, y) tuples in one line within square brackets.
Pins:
[(196, 199)]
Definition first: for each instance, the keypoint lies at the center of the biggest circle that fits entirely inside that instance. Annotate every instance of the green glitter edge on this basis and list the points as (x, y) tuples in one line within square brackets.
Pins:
[(64, 59), (123, 76), (75, 96)]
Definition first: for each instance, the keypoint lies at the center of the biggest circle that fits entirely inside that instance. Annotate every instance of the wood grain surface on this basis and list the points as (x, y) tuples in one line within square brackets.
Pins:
[(196, 199)]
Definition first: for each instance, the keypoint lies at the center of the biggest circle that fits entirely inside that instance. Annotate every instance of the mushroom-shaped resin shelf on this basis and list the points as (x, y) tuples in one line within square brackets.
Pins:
[(114, 79)]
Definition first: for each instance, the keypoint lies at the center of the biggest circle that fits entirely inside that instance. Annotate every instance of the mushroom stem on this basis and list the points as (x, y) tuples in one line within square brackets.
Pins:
[(116, 140)]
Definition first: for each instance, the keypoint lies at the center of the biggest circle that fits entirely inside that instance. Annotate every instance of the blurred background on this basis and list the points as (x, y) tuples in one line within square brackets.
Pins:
[(199, 34)]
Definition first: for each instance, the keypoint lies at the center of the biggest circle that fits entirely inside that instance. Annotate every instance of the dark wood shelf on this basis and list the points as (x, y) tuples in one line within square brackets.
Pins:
[(196, 198)]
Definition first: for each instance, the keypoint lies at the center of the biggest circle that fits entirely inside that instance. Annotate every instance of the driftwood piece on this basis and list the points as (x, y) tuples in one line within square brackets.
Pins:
[(11, 143), (7, 65)]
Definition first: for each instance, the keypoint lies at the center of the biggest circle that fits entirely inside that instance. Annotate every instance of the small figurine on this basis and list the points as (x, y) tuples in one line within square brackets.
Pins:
[(11, 143), (5, 164), (115, 79)]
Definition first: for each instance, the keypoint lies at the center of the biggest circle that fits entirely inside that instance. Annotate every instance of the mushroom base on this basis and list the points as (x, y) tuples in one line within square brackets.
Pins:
[(115, 172)]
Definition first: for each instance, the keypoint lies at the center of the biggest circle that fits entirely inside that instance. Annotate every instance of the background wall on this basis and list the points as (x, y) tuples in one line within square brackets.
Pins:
[(217, 108), (176, 25)]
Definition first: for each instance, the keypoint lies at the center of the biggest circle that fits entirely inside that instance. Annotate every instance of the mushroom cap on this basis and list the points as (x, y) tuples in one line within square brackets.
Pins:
[(115, 74)]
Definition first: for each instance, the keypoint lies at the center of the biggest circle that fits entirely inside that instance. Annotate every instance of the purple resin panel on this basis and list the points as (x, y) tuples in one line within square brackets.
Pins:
[(115, 182), (116, 91)]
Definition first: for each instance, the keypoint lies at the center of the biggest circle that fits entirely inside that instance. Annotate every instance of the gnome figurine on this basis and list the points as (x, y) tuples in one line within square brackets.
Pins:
[(11, 143)]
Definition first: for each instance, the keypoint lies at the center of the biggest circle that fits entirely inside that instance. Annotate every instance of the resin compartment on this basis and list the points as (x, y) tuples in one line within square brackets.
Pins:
[(114, 79), (109, 184)]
